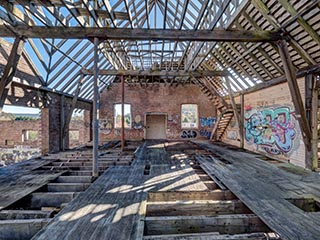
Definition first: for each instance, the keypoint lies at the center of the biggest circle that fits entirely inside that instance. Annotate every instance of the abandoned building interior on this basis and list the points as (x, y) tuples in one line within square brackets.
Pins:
[(160, 119)]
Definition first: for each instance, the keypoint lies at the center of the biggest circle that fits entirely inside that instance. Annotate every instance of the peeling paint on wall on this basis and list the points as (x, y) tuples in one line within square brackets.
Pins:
[(232, 135), (105, 126), (137, 123)]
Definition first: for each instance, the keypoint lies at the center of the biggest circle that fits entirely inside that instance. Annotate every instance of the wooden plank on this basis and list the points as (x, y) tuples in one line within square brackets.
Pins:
[(139, 34), (19, 180), (224, 224), (264, 188), (214, 236), (191, 196), (196, 207)]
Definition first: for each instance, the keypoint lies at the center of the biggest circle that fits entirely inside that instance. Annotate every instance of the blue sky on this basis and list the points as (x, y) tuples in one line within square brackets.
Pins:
[(14, 109)]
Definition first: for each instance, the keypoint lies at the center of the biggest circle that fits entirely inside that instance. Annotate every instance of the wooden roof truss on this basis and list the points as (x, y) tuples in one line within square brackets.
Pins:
[(60, 61)]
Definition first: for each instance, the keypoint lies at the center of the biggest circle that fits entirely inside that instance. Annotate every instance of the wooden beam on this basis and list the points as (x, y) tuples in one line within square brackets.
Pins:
[(67, 119), (10, 69), (241, 126), (295, 93), (302, 73), (216, 35), (95, 168), (311, 80), (217, 194), (157, 73), (122, 114), (224, 224), (312, 33)]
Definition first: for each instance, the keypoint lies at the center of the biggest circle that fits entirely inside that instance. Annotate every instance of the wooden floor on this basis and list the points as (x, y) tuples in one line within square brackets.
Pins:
[(112, 207), (18, 180), (265, 188), (125, 200)]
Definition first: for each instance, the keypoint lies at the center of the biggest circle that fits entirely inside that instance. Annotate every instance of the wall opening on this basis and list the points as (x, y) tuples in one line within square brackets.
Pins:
[(30, 135), (306, 204), (20, 135), (118, 115), (74, 135)]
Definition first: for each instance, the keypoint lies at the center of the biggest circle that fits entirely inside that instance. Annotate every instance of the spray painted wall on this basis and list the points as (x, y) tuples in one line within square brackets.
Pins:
[(156, 98), (270, 124)]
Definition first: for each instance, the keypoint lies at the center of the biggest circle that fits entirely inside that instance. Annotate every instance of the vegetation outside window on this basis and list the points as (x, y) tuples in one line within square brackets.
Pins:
[(117, 116)]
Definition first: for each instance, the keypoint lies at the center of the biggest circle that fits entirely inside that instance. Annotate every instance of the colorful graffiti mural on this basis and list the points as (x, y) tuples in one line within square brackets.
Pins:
[(272, 129), (207, 121)]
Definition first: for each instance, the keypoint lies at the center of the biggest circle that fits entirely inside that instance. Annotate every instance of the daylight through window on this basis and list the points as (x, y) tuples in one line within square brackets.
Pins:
[(117, 116)]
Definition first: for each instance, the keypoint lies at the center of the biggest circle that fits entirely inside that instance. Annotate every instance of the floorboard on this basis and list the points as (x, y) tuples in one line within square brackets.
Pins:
[(265, 188)]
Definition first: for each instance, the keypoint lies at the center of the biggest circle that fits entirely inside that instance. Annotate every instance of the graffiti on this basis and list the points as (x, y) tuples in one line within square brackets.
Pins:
[(205, 133), (248, 107), (105, 126), (173, 120), (189, 134), (137, 123), (232, 135), (207, 122), (272, 129)]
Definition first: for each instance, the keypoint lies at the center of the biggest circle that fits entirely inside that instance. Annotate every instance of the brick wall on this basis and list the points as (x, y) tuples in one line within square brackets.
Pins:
[(157, 98), (11, 131), (271, 127), (83, 128)]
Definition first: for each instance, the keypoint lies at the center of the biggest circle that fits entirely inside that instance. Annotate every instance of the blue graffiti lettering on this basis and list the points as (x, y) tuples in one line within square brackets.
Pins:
[(207, 122)]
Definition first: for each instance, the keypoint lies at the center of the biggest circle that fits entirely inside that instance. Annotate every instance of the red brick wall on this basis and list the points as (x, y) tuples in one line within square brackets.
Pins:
[(83, 126), (12, 131), (157, 98)]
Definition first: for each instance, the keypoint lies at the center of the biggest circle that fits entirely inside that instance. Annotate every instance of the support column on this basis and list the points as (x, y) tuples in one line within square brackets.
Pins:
[(241, 122), (314, 121), (295, 93), (122, 114), (95, 168), (297, 101), (62, 121), (45, 131)]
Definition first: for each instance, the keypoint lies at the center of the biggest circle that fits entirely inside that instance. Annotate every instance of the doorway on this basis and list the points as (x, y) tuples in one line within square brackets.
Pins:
[(156, 126)]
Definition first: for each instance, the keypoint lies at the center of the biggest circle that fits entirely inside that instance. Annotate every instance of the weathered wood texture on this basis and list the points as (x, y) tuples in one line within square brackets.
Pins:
[(264, 188), (19, 180), (112, 207), (141, 34)]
